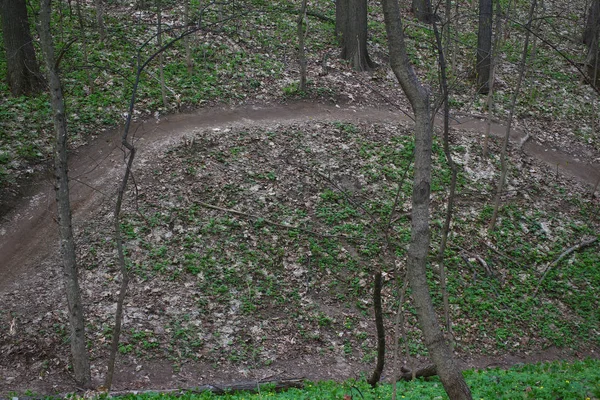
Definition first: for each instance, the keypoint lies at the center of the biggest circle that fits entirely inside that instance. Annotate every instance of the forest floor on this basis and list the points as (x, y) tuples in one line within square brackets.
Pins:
[(35, 356), (253, 229)]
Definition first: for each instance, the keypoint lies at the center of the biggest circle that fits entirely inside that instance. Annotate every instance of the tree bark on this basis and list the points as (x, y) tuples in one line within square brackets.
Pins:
[(23, 73), (591, 39), (81, 364), (351, 28), (418, 95), (376, 376), (452, 188), (494, 61), (188, 51), (422, 10), (590, 30), (100, 19), (301, 52), (503, 161), (161, 71), (484, 46)]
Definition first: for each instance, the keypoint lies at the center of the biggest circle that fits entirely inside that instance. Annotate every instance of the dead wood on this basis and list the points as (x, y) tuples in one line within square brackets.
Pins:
[(251, 386), (421, 372), (583, 244), (269, 222)]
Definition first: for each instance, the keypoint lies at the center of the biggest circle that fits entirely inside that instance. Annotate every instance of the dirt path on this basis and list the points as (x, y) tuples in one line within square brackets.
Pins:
[(28, 232)]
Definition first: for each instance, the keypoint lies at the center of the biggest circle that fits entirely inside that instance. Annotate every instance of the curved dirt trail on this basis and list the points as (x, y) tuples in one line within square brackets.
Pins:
[(28, 233)]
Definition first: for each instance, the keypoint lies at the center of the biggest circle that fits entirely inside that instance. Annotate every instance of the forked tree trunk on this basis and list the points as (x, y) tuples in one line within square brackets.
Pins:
[(23, 73), (439, 349), (81, 364)]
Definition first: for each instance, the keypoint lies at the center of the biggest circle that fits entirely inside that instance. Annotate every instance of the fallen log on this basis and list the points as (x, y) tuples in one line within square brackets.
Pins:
[(421, 372), (249, 386)]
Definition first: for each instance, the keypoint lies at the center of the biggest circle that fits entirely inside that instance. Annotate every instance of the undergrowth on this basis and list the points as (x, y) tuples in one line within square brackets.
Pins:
[(577, 380)]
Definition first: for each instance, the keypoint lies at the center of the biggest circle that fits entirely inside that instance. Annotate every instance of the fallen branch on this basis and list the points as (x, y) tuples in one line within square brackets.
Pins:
[(501, 254), (583, 244), (252, 387), (266, 221)]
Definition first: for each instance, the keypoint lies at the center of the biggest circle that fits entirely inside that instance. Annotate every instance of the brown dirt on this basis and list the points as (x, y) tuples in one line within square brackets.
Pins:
[(29, 239)]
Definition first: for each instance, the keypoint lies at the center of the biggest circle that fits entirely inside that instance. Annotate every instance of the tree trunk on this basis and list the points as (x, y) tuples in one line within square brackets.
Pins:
[(494, 61), (590, 30), (484, 46), (161, 71), (441, 353), (301, 52), (100, 19), (591, 36), (84, 44), (376, 376), (81, 364), (188, 51), (513, 103), (422, 10), (351, 26), (23, 73)]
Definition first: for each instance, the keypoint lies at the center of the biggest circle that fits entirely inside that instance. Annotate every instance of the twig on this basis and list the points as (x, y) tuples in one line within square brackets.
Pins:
[(501, 254), (289, 227), (385, 97), (583, 244)]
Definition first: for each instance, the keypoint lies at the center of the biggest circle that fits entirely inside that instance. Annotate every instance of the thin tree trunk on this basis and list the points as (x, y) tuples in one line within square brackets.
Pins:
[(301, 52), (494, 60), (84, 45), (100, 19), (591, 39), (440, 351), (188, 51), (81, 364), (376, 376), (534, 47), (484, 45), (447, 29), (23, 73), (452, 189), (504, 163), (163, 89), (457, 25), (595, 94)]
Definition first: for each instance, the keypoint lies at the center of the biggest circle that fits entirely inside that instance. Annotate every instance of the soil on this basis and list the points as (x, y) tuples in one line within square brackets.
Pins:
[(28, 250)]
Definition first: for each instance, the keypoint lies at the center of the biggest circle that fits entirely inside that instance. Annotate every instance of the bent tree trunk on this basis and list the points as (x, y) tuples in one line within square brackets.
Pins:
[(23, 74), (351, 28), (81, 364), (441, 353)]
